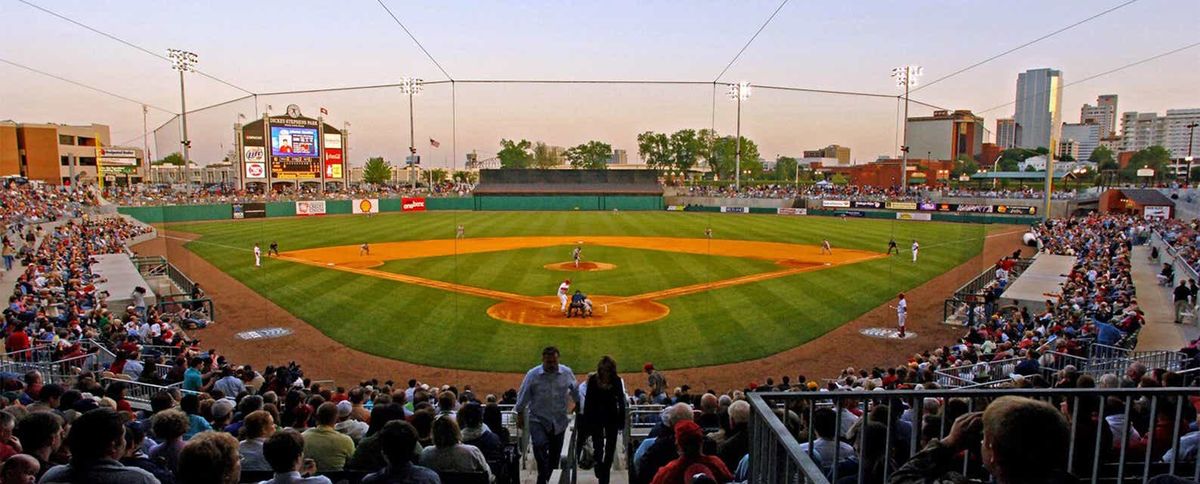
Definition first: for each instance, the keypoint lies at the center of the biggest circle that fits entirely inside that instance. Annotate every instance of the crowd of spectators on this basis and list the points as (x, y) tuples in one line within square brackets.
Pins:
[(868, 193)]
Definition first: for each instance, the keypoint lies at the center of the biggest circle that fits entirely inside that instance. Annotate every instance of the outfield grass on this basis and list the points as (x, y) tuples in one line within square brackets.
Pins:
[(637, 270), (438, 328)]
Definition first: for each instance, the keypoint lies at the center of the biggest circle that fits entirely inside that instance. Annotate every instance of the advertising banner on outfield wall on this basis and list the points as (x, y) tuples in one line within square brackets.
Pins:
[(676, 208), (835, 203), (902, 205), (412, 204), (914, 216), (366, 205), (316, 207), (1016, 210), (249, 210), (866, 204), (963, 207), (792, 211), (735, 210), (853, 213)]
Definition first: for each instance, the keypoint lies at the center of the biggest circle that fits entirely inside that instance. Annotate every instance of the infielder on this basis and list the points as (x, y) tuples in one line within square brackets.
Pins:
[(460, 232), (257, 256), (901, 313), (364, 249), (708, 232), (892, 246), (575, 255), (273, 249), (562, 294), (915, 249), (825, 248)]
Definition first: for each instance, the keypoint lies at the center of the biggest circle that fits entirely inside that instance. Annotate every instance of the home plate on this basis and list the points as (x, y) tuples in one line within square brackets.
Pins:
[(887, 333)]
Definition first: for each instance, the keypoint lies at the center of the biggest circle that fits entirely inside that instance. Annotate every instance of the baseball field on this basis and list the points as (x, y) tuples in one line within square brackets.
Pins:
[(661, 289)]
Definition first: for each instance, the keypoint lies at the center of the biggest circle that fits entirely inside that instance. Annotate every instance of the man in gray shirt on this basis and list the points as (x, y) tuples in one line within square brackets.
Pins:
[(544, 393)]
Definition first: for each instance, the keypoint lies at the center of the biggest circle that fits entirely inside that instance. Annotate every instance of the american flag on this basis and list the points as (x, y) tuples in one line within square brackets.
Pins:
[(324, 111), (434, 143)]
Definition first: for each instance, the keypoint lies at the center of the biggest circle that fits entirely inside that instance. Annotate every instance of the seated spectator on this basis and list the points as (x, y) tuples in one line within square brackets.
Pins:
[(475, 433), (367, 456), (1023, 441), (737, 438), (285, 452), (190, 404), (397, 437), (9, 445), (210, 458), (449, 454), (97, 440), (135, 457), (328, 447), (19, 469), (1187, 449), (692, 461), (169, 427), (710, 417), (40, 435), (827, 446), (663, 449), (259, 426), (347, 425)]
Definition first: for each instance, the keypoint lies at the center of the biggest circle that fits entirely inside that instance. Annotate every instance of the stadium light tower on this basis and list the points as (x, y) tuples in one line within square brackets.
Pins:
[(906, 77), (738, 92), (183, 61), (411, 86)]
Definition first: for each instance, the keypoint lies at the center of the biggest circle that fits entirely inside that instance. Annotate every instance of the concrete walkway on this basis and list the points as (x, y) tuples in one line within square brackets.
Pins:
[(1160, 332)]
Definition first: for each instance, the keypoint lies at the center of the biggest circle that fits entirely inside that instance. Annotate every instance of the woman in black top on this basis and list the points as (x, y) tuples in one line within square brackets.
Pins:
[(603, 414)]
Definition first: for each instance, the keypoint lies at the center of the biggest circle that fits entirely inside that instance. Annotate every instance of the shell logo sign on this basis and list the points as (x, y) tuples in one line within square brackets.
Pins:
[(366, 205)]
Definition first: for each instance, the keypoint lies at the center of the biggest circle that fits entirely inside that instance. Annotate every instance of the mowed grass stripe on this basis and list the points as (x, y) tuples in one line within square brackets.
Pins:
[(451, 330)]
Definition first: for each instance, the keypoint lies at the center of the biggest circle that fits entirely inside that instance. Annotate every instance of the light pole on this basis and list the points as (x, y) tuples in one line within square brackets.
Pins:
[(906, 76), (1191, 137), (183, 61), (411, 86), (738, 92)]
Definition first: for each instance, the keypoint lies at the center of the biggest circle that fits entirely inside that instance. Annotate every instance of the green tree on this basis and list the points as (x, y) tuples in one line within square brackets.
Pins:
[(654, 149), (1007, 164), (439, 175), (684, 148), (1065, 157), (544, 157), (1103, 158), (174, 159), (1042, 150), (838, 179), (377, 171), (515, 154), (964, 165), (593, 155), (724, 157), (1155, 157), (785, 168)]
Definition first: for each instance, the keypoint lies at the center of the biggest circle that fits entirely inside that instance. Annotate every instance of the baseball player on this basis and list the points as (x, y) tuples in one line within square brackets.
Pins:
[(273, 249), (364, 249), (575, 255), (257, 256), (562, 294), (708, 232), (901, 313), (825, 248), (915, 249), (892, 246), (460, 232)]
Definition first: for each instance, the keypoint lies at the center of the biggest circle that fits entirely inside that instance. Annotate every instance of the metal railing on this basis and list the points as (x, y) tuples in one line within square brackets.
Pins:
[(139, 393), (1100, 449), (973, 374)]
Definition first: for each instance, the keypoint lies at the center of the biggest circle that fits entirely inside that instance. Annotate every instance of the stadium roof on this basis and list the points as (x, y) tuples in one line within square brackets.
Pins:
[(1016, 175), (1147, 197)]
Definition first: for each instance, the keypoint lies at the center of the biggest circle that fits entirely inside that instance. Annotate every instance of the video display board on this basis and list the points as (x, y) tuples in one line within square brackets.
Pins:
[(295, 148)]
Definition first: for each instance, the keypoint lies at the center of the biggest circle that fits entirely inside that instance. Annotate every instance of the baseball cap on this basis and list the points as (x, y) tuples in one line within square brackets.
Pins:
[(344, 407), (687, 432), (648, 367), (222, 408)]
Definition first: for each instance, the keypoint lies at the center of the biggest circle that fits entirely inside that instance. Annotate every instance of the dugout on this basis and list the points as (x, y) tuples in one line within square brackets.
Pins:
[(512, 189)]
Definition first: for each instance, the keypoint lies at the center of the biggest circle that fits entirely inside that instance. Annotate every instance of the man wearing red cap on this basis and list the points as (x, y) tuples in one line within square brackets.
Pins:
[(692, 461), (656, 381)]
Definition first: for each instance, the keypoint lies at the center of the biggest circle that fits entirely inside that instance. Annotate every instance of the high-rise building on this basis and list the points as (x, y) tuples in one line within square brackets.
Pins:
[(618, 157), (945, 135), (1177, 132), (841, 153), (1086, 137), (1039, 108), (1142, 130), (1104, 113), (1006, 133)]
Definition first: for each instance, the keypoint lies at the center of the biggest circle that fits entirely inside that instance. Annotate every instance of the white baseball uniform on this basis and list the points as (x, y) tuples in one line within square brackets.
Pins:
[(901, 313), (562, 295), (257, 257), (915, 248)]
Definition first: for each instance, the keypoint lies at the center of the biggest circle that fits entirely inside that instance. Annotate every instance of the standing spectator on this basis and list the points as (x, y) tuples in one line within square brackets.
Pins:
[(97, 440), (449, 454), (398, 439), (603, 414), (258, 428), (328, 447), (210, 458), (543, 394), (692, 461), (193, 378), (1182, 294), (656, 381), (285, 452)]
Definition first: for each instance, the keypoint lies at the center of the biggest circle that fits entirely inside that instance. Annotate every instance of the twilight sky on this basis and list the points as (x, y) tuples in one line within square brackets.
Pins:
[(278, 46)]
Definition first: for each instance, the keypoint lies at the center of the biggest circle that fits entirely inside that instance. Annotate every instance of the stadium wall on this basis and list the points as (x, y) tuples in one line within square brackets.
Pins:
[(567, 202)]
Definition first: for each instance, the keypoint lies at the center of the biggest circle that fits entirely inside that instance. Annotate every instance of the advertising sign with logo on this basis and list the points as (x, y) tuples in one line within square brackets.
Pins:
[(676, 208), (1016, 210), (413, 204), (914, 216), (118, 156), (947, 207), (902, 205), (316, 207), (793, 211), (1145, 172), (295, 149), (926, 206), (366, 205), (964, 207), (853, 213), (735, 210), (1156, 212), (256, 162), (866, 204), (116, 170), (333, 156), (835, 203), (249, 210)]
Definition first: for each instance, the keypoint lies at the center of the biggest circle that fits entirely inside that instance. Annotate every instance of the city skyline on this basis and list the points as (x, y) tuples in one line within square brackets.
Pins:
[(360, 45)]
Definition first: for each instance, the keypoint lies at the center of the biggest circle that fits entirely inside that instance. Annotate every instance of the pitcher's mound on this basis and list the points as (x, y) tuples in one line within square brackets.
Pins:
[(583, 266), (545, 312)]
